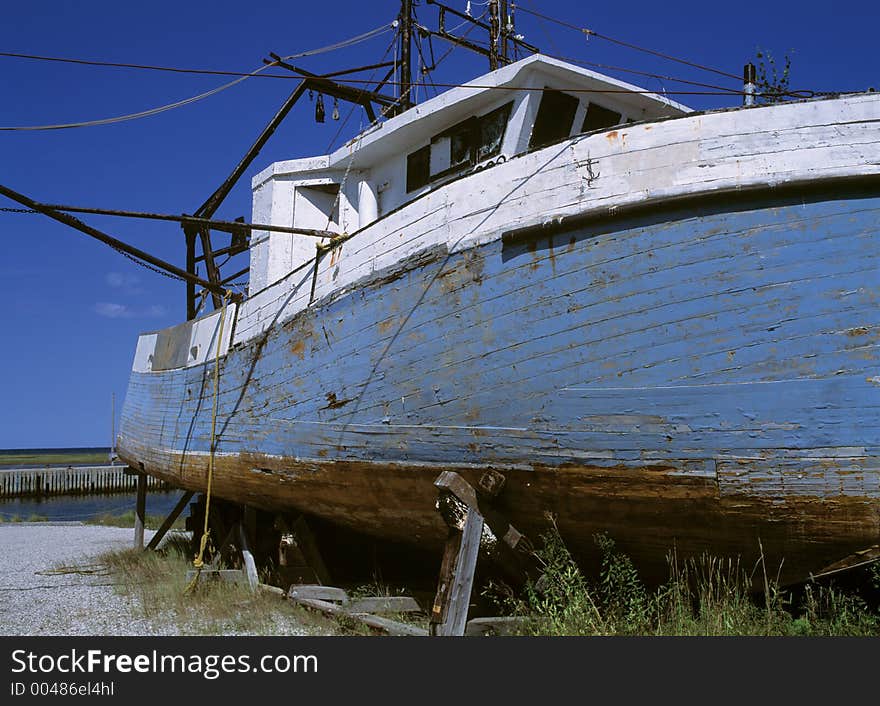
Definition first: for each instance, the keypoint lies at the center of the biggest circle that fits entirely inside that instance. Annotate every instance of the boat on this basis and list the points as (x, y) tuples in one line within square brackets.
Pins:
[(655, 322)]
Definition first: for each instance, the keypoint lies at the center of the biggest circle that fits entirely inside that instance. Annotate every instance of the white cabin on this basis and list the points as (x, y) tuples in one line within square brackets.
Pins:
[(529, 104)]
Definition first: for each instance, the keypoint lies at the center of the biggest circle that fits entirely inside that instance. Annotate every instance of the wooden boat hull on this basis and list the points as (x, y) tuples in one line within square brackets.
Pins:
[(700, 377)]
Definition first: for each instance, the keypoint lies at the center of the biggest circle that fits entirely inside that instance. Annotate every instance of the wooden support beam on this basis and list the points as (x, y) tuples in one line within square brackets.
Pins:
[(190, 235), (360, 96), (212, 203), (247, 557), (212, 223), (210, 265), (140, 510), (450, 608), (463, 576), (444, 584), (306, 541), (170, 519)]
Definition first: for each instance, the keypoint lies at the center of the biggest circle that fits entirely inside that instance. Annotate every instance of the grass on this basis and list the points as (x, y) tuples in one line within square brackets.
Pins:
[(53, 459), (703, 596), (33, 517), (126, 519), (156, 581)]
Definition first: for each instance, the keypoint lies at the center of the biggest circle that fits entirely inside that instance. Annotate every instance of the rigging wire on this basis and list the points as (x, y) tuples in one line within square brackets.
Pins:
[(161, 109), (719, 92), (354, 106), (147, 67), (636, 72), (593, 33), (609, 67)]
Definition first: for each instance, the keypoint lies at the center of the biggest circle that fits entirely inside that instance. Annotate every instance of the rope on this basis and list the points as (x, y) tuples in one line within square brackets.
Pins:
[(199, 561)]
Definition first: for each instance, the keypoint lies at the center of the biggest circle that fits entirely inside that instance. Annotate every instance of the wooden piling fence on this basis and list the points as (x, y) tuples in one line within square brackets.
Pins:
[(71, 480)]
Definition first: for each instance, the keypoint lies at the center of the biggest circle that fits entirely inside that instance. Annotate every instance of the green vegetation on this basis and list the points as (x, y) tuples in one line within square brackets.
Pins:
[(126, 519), (703, 596), (61, 458), (772, 83), (33, 517), (157, 583)]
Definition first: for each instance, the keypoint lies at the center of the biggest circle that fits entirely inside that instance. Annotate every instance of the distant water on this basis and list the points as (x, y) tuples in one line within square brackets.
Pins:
[(85, 507), (80, 507)]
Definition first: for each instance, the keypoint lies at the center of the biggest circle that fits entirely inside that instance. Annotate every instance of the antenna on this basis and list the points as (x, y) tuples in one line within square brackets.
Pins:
[(113, 428)]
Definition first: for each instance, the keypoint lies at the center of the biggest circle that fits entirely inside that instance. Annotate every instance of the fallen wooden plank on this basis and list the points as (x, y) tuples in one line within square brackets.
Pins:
[(374, 621), (383, 604), (392, 627), (317, 592), (274, 590), (860, 558), (494, 626)]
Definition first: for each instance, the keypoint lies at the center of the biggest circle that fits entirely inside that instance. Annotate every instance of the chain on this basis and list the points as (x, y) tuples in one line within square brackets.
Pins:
[(148, 266), (134, 259)]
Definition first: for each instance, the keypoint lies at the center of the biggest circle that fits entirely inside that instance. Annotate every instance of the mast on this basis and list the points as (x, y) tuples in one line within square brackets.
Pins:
[(505, 31), (494, 34), (406, 22)]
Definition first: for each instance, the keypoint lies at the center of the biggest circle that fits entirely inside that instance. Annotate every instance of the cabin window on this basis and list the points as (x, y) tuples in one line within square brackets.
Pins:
[(453, 149), (555, 118), (458, 148), (492, 128), (598, 118), (469, 142), (418, 168)]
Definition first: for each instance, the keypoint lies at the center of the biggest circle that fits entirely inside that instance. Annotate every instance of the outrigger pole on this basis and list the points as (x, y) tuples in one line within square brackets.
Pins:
[(114, 243), (195, 229)]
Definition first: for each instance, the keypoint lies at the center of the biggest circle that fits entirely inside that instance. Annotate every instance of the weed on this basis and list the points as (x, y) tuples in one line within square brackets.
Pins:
[(704, 595)]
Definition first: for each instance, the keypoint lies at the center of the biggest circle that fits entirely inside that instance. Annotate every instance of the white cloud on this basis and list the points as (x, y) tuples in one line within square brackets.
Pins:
[(126, 282), (114, 310)]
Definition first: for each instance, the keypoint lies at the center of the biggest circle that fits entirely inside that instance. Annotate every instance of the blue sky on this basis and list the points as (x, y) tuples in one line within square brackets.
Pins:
[(73, 307)]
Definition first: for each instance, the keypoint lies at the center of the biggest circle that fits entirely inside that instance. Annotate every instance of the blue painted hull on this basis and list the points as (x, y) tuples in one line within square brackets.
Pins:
[(703, 377)]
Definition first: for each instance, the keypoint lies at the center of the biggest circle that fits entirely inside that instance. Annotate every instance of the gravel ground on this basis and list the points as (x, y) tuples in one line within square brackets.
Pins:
[(33, 602)]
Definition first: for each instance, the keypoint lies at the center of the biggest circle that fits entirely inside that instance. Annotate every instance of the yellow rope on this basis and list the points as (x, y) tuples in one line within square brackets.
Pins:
[(199, 560)]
